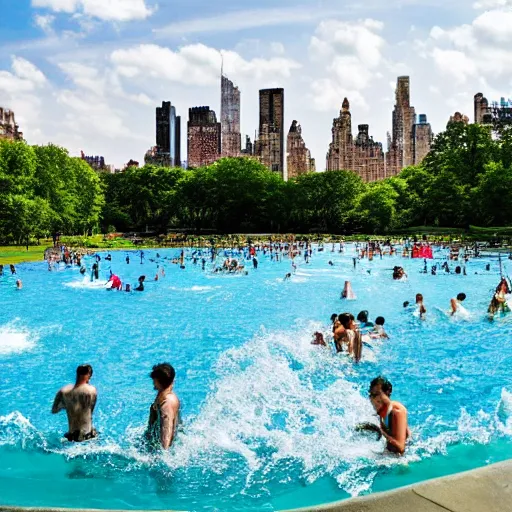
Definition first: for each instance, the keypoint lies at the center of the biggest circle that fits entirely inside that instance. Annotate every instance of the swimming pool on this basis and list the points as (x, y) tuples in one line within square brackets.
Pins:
[(268, 419)]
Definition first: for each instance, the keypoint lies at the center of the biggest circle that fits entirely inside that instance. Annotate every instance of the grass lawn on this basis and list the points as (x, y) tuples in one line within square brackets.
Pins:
[(18, 254)]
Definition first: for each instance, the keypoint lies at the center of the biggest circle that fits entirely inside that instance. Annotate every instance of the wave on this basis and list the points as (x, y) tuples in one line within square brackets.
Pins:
[(14, 340)]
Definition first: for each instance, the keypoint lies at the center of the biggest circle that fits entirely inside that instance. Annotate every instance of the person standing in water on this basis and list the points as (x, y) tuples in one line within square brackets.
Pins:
[(164, 412), (79, 401), (393, 415), (421, 309), (456, 305)]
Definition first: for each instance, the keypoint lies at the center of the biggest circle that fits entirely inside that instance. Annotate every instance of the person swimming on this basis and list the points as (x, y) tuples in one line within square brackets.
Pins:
[(378, 330), (13, 269), (287, 277), (392, 415), (499, 299), (420, 307), (141, 280), (457, 309), (347, 292), (164, 412), (19, 284), (362, 318), (318, 339), (78, 401)]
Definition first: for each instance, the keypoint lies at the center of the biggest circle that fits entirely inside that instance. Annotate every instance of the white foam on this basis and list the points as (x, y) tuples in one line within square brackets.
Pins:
[(87, 283), (195, 288), (14, 340)]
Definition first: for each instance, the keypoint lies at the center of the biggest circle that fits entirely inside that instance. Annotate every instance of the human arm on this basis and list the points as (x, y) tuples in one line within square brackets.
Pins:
[(453, 303), (168, 419), (396, 440), (58, 403)]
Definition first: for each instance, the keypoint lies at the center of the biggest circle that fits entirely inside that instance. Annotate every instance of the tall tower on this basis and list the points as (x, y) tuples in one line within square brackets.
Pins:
[(401, 151), (230, 118), (168, 134), (269, 147), (481, 108), (298, 156), (422, 139), (203, 137)]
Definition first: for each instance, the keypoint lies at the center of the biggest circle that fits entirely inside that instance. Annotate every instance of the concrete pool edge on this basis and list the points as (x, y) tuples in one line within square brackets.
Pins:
[(486, 489)]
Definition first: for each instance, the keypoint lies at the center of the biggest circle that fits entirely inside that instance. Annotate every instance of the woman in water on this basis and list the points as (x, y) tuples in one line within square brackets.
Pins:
[(499, 300)]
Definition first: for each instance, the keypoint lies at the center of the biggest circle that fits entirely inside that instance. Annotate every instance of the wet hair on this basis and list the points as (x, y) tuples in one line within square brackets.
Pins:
[(83, 370), (458, 270), (142, 279), (406, 303), (334, 317), (385, 385), (164, 373), (461, 296), (506, 284), (419, 296), (362, 316), (345, 319), (380, 320)]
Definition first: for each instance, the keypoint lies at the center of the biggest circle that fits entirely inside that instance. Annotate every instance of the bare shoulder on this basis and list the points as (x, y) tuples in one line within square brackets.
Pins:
[(87, 389), (399, 409), (64, 390), (173, 402)]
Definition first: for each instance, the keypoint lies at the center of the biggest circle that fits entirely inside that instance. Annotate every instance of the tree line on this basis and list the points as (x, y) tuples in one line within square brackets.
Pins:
[(466, 179)]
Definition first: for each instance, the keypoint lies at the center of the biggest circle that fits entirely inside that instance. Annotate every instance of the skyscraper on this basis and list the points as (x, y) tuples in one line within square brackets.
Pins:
[(422, 139), (203, 137), (230, 118), (401, 144), (168, 135), (298, 156), (362, 155), (269, 148)]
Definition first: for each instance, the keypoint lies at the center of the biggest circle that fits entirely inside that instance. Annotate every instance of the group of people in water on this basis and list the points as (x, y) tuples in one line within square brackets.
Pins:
[(346, 334)]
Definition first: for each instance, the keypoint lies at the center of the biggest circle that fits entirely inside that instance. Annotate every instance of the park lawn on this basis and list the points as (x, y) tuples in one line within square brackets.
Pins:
[(18, 254)]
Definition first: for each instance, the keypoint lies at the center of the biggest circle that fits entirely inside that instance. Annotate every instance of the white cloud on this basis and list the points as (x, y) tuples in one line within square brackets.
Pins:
[(107, 10), (44, 22), (352, 54), (194, 64), (242, 20), (492, 4)]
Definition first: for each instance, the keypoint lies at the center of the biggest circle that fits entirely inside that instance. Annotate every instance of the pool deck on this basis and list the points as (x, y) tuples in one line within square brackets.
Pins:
[(487, 489)]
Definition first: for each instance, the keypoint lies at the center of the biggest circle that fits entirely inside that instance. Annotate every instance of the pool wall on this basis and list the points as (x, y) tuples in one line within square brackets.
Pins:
[(487, 489)]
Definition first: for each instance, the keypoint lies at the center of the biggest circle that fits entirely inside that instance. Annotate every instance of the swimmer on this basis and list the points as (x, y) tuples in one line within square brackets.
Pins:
[(140, 288), (127, 260), (164, 412), (362, 318), (347, 292), (393, 416), (83, 270), (1, 270), (13, 269), (352, 336), (128, 288), (499, 300), (456, 304), (378, 330), (78, 400), (255, 262), (420, 306), (318, 339), (19, 284), (287, 277)]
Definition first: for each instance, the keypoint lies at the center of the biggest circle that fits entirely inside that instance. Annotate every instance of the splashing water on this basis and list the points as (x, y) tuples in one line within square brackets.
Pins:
[(268, 419)]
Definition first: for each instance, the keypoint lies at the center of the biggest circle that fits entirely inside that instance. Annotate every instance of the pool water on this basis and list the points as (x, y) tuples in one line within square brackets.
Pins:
[(268, 419)]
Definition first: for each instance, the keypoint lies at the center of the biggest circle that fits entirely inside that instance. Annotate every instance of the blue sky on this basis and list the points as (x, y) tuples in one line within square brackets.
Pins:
[(87, 74)]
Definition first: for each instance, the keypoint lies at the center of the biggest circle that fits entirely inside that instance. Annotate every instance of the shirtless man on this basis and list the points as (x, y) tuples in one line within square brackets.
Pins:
[(164, 412), (78, 400), (393, 415)]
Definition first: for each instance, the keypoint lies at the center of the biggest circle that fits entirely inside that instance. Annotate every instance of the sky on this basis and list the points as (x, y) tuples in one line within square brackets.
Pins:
[(88, 74)]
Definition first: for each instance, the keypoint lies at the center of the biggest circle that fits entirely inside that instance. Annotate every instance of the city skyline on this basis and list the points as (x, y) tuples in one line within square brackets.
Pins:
[(89, 80)]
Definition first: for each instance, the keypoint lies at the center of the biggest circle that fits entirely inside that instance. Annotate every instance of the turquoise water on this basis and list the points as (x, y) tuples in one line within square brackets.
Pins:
[(268, 419)]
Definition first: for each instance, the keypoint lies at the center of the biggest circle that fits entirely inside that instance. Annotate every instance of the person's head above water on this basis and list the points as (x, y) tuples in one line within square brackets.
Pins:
[(334, 317), (419, 298), (362, 317), (380, 393), (380, 320), (163, 376), (346, 320), (461, 297), (406, 304), (83, 374)]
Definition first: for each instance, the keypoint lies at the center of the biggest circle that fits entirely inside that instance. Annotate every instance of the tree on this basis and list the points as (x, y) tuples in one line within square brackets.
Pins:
[(377, 208)]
